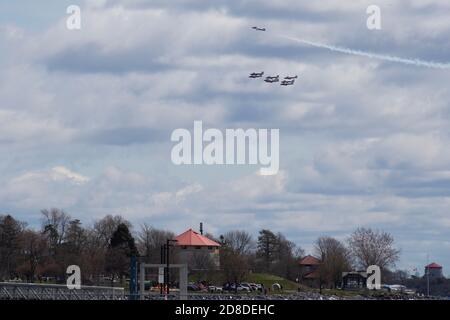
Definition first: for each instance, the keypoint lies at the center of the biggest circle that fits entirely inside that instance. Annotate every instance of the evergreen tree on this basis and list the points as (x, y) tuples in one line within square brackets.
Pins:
[(267, 247), (122, 238), (10, 230), (122, 246)]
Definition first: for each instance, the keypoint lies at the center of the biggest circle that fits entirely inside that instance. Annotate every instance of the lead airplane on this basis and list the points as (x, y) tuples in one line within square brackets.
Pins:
[(290, 78), (256, 74), (259, 29)]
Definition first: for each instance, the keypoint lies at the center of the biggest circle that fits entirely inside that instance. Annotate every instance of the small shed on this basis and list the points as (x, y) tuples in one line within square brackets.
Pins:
[(354, 280)]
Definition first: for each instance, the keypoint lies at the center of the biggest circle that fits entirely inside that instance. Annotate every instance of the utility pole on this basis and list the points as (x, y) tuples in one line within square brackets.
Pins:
[(133, 278), (167, 268), (168, 245), (162, 261), (428, 276)]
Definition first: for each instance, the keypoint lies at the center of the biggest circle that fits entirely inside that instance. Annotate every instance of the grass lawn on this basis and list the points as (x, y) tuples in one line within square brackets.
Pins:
[(268, 279)]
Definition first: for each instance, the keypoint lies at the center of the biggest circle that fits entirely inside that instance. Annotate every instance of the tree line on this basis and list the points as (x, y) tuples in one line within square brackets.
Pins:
[(103, 250)]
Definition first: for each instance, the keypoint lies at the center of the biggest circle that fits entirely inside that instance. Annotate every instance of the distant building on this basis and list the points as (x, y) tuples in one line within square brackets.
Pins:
[(192, 248), (434, 270), (309, 273)]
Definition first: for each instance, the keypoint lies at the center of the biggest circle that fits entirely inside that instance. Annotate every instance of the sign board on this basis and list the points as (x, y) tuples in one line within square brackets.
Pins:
[(160, 275)]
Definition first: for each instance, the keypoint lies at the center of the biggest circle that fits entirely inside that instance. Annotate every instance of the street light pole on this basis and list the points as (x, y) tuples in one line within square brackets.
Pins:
[(168, 263), (427, 268), (163, 258), (167, 267)]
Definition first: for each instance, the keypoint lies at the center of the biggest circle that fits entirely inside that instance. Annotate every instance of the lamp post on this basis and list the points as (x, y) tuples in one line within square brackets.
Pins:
[(163, 260), (427, 270), (168, 245)]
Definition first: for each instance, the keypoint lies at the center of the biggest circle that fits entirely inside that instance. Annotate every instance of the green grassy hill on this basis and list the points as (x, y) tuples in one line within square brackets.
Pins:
[(268, 279)]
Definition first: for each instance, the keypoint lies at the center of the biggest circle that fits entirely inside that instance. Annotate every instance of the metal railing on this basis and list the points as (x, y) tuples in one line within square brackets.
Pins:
[(33, 291)]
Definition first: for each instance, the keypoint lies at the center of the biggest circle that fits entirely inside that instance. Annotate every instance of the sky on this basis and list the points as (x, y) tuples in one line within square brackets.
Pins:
[(86, 116)]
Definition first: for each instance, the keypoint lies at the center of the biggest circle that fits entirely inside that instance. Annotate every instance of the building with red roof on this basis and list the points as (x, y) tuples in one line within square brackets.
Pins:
[(434, 270), (191, 238), (309, 261), (308, 270), (192, 248)]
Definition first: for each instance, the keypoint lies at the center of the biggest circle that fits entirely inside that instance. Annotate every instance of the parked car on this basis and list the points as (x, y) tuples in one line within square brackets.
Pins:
[(229, 287), (246, 285), (193, 287), (215, 289), (256, 286), (241, 287)]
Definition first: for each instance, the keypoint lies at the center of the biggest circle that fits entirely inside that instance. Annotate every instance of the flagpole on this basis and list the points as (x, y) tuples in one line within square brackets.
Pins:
[(427, 268)]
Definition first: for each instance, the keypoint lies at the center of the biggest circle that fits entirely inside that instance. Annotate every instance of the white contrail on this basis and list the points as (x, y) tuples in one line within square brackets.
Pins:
[(416, 62)]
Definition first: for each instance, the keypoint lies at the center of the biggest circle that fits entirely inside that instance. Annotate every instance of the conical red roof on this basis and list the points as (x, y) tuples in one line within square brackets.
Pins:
[(192, 238), (309, 260), (434, 265)]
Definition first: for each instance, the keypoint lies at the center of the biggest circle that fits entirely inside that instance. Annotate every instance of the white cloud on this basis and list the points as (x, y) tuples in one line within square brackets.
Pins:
[(62, 173)]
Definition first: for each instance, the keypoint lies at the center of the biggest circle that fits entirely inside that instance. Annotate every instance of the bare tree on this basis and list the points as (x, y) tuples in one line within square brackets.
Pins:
[(234, 265), (54, 224), (370, 247), (335, 259), (298, 252), (34, 250), (240, 242), (150, 240), (75, 237), (94, 255)]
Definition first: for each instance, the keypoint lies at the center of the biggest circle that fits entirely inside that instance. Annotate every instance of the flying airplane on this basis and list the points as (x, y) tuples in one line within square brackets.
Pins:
[(259, 29), (290, 78), (272, 79), (287, 82), (256, 74)]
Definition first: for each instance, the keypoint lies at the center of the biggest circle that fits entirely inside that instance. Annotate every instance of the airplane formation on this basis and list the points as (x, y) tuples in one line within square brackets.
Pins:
[(287, 81)]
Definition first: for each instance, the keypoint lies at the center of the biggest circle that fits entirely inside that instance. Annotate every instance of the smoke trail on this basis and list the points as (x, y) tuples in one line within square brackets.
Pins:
[(415, 62)]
